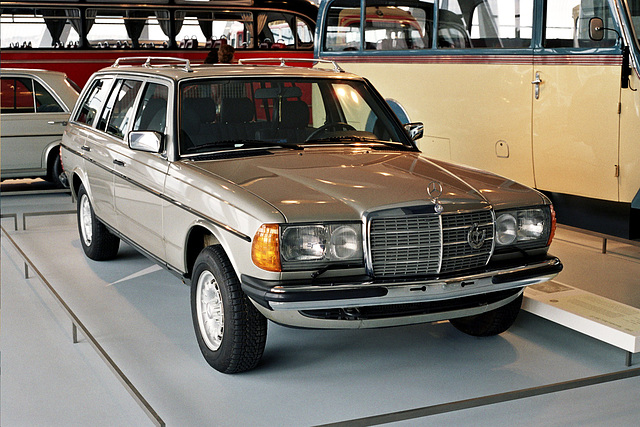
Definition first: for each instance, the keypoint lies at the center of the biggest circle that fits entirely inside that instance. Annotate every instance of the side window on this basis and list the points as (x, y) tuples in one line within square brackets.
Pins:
[(17, 95), (567, 24), (506, 24), (45, 102), (26, 28), (343, 26), (277, 30), (207, 30), (131, 28), (152, 114), (108, 107), (305, 35), (122, 111), (281, 33), (398, 27), (93, 101)]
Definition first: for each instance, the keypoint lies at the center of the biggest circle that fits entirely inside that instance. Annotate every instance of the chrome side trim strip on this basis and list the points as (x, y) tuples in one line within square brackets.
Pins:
[(164, 197)]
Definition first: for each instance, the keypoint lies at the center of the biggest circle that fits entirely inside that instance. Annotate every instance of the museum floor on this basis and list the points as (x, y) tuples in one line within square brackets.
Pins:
[(536, 374)]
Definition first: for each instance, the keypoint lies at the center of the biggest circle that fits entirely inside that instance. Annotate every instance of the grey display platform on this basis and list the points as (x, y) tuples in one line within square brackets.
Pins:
[(140, 315)]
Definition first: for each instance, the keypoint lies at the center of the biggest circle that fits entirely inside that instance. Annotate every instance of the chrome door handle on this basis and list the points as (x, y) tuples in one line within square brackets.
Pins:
[(537, 82), (118, 162), (85, 148), (57, 122)]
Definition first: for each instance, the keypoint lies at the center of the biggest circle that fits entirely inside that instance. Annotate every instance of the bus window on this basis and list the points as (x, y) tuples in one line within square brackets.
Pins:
[(117, 28), (203, 29), (39, 28), (495, 25), (567, 24), (396, 28), (343, 26), (305, 34)]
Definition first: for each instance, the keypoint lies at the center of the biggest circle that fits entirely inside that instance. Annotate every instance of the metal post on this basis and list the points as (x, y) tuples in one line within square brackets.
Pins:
[(74, 332)]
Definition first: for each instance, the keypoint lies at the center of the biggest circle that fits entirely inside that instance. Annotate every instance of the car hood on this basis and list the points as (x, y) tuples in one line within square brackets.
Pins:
[(343, 183)]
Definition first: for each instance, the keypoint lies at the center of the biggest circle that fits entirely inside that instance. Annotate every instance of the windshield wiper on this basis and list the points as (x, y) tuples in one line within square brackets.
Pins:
[(369, 141), (225, 145)]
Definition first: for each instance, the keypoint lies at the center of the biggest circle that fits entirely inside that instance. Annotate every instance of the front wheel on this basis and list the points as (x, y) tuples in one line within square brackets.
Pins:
[(491, 323), (98, 243), (230, 331)]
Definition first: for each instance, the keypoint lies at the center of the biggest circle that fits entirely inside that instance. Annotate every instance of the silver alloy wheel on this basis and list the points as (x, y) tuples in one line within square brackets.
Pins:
[(210, 310), (86, 220)]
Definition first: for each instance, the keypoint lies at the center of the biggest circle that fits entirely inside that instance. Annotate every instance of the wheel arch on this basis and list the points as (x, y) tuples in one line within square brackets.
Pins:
[(198, 238)]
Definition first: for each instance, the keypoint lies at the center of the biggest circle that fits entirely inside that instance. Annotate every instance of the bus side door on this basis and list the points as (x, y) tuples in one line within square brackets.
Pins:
[(576, 95)]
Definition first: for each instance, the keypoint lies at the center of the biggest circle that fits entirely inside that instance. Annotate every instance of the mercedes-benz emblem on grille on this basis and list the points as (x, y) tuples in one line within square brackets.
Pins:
[(476, 237)]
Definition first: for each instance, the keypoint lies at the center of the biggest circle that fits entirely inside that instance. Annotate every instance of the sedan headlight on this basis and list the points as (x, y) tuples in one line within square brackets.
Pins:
[(525, 227), (308, 246)]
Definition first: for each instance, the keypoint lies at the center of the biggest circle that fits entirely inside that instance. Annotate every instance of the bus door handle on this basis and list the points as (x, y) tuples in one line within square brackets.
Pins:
[(537, 82)]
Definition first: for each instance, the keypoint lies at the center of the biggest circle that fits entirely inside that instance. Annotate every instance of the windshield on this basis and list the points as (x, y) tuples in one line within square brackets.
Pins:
[(218, 115)]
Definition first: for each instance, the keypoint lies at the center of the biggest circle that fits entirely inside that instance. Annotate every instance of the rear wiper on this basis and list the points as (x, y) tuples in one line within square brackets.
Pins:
[(225, 145)]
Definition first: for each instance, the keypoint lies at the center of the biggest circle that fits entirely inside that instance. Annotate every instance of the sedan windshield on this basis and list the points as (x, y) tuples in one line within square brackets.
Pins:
[(218, 115)]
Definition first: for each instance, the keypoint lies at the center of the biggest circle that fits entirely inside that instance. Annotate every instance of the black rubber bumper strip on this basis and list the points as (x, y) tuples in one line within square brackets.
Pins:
[(262, 293)]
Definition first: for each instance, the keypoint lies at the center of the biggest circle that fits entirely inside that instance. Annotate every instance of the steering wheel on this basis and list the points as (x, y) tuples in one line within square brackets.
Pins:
[(327, 126)]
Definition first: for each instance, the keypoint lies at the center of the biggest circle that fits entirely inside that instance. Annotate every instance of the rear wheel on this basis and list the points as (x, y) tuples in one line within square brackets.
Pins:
[(493, 322), (55, 172), (97, 241), (230, 331)]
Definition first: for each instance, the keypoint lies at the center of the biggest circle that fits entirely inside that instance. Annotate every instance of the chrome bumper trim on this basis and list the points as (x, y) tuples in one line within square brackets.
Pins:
[(370, 293)]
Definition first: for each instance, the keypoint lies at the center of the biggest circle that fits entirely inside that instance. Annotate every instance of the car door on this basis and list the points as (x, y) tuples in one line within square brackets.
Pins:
[(576, 95), (88, 138), (32, 125), (140, 175)]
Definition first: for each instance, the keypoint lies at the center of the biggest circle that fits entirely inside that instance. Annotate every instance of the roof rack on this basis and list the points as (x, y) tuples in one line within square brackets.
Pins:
[(150, 61), (283, 62)]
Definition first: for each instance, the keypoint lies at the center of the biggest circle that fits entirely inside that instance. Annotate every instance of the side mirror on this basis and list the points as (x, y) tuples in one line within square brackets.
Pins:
[(415, 130), (596, 29), (148, 141)]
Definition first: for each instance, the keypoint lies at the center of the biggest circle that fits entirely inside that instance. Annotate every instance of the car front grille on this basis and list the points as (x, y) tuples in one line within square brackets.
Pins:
[(417, 244)]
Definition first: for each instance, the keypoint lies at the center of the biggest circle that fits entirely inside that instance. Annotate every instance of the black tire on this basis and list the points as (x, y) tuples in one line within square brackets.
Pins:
[(490, 323), (230, 331), (56, 174), (97, 241)]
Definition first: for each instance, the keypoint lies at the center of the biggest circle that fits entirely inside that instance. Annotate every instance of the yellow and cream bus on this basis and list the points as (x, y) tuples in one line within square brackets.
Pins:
[(542, 91)]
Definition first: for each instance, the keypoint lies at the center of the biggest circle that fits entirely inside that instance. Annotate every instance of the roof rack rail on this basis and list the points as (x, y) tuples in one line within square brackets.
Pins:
[(150, 61), (284, 61)]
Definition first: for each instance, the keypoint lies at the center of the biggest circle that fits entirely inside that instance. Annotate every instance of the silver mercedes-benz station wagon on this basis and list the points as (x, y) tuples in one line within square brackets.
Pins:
[(295, 194)]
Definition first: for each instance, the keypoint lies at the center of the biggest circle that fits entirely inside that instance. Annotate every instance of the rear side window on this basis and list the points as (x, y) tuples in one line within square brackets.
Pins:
[(119, 109), (93, 101), (45, 102), (17, 95)]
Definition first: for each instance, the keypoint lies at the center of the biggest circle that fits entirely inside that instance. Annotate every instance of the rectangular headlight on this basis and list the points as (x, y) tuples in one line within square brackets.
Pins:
[(523, 227), (313, 244)]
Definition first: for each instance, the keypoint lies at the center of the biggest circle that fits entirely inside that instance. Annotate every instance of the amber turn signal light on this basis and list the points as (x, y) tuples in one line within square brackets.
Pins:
[(265, 249)]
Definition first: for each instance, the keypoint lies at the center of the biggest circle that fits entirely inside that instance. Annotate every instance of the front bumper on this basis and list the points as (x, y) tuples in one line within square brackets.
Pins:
[(347, 292)]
